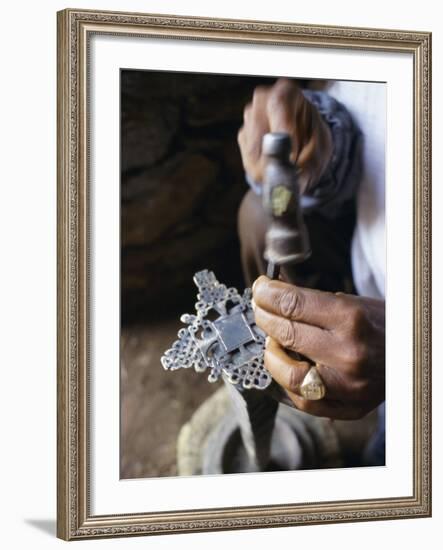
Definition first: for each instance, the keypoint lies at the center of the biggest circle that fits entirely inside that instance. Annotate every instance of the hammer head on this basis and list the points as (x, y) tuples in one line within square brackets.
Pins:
[(287, 240)]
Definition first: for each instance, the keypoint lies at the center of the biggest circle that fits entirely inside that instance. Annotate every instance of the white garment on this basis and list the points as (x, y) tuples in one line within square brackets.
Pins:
[(366, 102)]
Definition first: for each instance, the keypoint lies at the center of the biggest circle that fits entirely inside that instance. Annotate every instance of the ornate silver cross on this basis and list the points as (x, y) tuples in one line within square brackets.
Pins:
[(222, 336)]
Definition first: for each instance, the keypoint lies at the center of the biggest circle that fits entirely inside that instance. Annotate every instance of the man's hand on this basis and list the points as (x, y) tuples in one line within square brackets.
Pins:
[(344, 334), (283, 108)]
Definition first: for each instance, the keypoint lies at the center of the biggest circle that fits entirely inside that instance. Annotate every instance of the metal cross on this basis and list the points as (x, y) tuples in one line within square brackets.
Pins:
[(222, 337)]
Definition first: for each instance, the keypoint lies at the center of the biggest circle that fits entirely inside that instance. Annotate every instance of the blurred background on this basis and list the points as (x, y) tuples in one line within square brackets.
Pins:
[(182, 181)]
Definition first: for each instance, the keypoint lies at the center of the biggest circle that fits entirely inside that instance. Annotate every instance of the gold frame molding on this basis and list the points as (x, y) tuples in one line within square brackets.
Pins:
[(75, 27)]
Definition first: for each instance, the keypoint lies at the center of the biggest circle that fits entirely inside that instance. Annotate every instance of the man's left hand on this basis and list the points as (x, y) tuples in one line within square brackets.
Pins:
[(342, 333)]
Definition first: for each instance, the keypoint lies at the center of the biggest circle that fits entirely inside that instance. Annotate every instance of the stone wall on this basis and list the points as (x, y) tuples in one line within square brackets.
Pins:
[(181, 184)]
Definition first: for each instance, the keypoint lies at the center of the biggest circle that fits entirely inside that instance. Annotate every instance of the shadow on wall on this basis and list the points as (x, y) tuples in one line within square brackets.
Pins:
[(182, 182)]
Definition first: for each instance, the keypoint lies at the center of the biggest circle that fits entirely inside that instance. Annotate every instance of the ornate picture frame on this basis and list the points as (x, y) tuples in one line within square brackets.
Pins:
[(75, 30)]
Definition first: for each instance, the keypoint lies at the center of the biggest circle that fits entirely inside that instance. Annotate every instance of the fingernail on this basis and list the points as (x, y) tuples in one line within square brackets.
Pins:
[(254, 284), (253, 305), (267, 340)]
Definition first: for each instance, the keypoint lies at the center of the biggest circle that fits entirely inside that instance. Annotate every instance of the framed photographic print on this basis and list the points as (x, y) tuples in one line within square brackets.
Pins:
[(244, 237)]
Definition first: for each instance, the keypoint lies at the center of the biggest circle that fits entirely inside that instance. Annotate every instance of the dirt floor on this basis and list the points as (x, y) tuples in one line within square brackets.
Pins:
[(155, 403)]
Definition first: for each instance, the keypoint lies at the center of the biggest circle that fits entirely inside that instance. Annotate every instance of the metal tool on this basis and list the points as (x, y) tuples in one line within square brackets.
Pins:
[(287, 240), (232, 345), (286, 244)]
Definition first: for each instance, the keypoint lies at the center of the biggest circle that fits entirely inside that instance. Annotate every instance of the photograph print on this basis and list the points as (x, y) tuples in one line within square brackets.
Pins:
[(252, 246)]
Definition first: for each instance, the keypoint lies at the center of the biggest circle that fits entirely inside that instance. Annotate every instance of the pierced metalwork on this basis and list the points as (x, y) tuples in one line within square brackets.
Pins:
[(222, 337)]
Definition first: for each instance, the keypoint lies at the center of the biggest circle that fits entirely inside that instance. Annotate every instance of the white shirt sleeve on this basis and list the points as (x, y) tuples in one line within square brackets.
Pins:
[(366, 103)]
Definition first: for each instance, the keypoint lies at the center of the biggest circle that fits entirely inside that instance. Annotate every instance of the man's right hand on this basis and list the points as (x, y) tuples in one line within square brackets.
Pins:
[(283, 108)]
